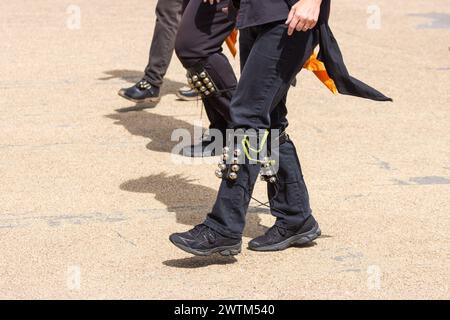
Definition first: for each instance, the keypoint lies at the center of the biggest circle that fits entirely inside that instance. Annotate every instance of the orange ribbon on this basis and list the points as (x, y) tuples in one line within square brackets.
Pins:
[(318, 68), (231, 42)]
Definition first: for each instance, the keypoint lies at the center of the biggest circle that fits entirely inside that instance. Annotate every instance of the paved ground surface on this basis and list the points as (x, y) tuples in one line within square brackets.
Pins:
[(89, 191)]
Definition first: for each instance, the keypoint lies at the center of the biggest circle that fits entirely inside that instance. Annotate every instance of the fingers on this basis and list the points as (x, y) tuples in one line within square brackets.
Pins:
[(290, 16), (299, 21), (305, 25), (303, 16), (292, 21), (301, 25), (312, 22)]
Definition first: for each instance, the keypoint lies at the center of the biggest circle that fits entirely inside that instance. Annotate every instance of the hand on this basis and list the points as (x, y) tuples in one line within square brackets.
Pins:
[(303, 15), (211, 1), (224, 10)]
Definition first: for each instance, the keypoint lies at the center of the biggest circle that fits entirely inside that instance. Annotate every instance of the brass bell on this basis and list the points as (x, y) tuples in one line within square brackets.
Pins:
[(198, 84), (212, 89), (206, 80), (207, 93), (202, 88), (235, 168), (194, 78), (272, 179), (219, 173), (203, 75), (222, 166), (232, 175), (226, 149), (209, 85)]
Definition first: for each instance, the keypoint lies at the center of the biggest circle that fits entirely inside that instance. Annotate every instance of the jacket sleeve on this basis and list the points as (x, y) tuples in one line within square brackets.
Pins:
[(291, 2)]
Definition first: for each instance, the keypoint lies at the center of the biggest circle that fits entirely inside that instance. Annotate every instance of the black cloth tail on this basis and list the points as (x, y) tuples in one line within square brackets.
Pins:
[(331, 56)]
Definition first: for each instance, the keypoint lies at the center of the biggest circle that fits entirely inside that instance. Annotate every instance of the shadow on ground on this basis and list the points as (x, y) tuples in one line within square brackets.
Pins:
[(199, 262), (133, 76), (436, 20), (157, 128), (189, 201)]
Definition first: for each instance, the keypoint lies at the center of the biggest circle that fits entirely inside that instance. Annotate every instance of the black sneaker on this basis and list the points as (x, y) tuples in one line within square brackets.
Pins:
[(141, 92), (205, 148), (187, 94), (204, 241), (278, 238)]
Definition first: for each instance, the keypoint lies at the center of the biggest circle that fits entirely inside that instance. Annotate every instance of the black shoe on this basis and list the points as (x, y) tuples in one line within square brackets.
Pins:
[(205, 148), (187, 94), (278, 238), (204, 241), (141, 92)]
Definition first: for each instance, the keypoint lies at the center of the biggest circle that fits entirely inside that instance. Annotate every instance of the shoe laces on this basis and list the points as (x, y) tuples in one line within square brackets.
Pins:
[(143, 84), (276, 230), (205, 231)]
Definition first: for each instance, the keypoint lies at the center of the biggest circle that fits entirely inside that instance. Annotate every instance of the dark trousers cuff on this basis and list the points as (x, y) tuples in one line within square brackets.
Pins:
[(221, 229)]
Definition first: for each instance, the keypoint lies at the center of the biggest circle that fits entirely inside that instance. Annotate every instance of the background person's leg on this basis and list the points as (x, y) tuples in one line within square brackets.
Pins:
[(202, 32), (168, 16)]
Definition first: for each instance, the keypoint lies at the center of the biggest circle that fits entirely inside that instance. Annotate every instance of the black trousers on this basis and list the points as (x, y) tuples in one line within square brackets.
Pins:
[(203, 30), (270, 60), (168, 16)]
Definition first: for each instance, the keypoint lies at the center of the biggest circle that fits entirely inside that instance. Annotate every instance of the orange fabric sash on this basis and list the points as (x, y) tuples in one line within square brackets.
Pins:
[(231, 42), (318, 68)]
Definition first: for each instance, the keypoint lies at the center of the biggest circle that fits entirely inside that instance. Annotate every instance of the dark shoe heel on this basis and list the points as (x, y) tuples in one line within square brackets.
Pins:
[(232, 251), (308, 238)]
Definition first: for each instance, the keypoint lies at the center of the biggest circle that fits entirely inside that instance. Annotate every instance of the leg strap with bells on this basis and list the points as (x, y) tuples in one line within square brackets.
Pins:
[(201, 82), (268, 171), (229, 164)]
